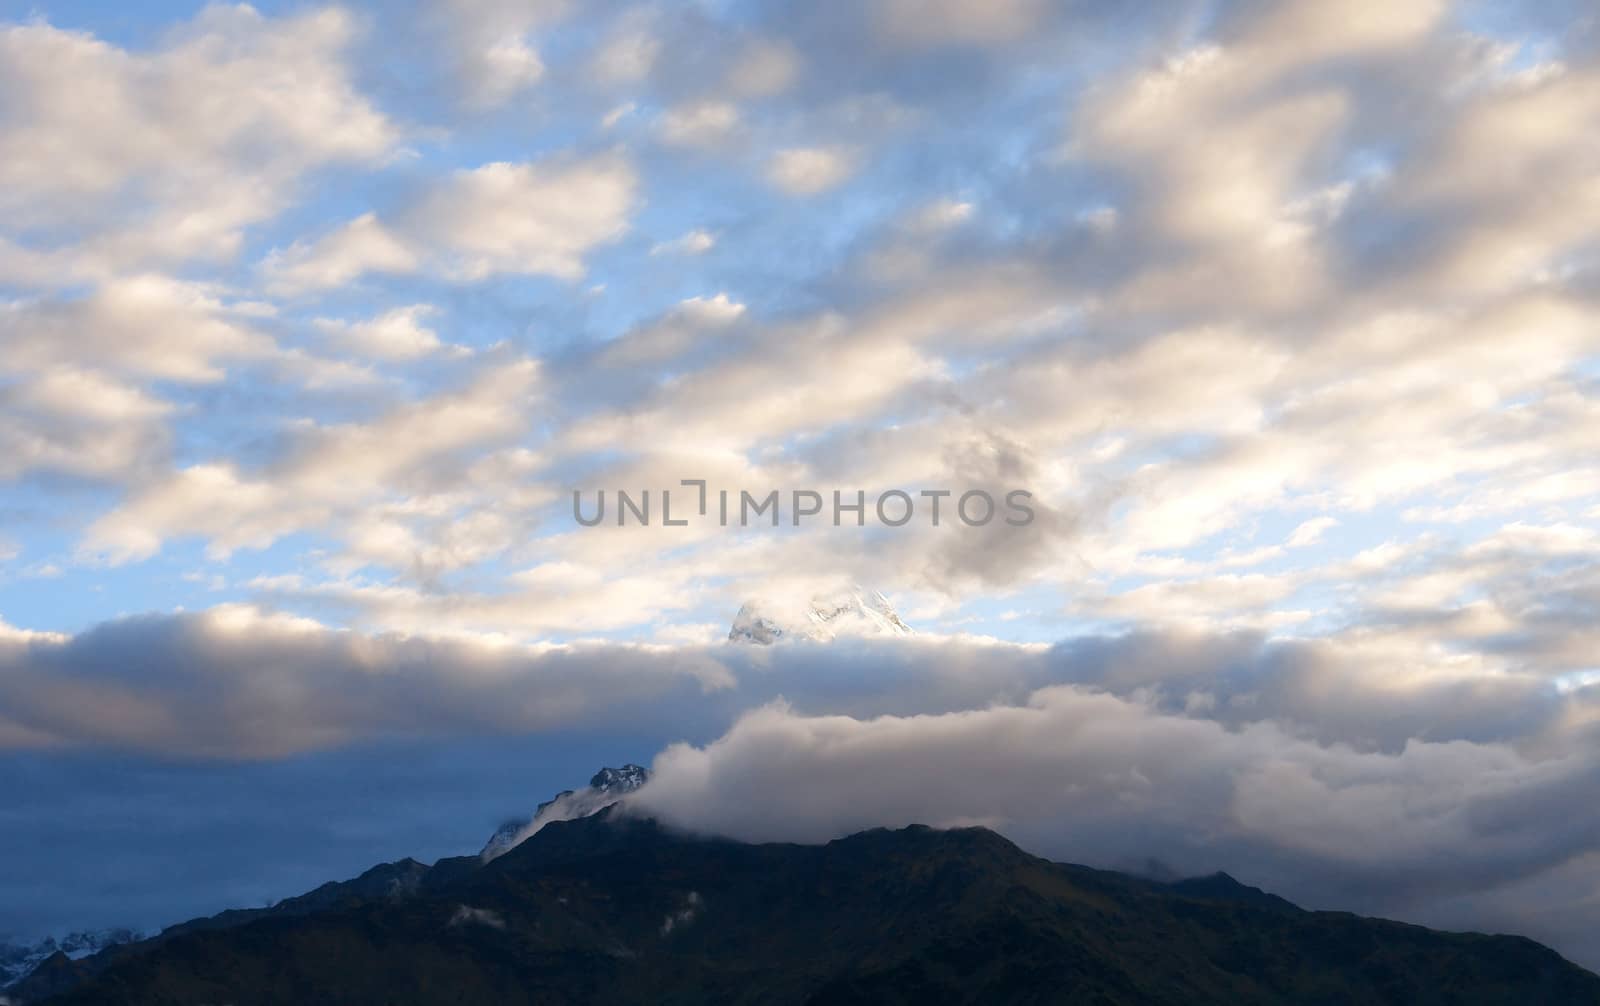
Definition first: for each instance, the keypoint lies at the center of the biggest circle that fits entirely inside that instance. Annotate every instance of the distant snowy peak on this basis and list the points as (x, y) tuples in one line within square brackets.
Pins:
[(605, 788), (18, 961), (848, 612)]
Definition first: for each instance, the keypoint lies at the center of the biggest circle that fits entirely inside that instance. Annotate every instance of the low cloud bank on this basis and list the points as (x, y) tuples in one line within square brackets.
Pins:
[(235, 682), (1319, 769), (1456, 832)]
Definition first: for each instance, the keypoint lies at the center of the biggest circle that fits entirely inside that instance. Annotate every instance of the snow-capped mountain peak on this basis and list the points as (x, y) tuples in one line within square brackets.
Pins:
[(620, 780), (849, 611), (605, 788), (17, 961)]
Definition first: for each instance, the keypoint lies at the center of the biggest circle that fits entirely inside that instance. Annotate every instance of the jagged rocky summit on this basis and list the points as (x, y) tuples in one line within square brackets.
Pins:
[(606, 787)]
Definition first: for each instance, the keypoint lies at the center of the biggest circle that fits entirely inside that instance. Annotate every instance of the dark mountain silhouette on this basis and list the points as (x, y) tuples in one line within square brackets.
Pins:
[(614, 909)]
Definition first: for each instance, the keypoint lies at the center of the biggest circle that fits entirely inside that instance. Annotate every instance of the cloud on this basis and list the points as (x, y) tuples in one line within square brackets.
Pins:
[(146, 325), (536, 218), (692, 903), (806, 171), (361, 246), (1347, 694), (630, 52), (490, 46), (1285, 312), (322, 471), (1108, 780), (695, 242), (764, 68), (943, 22), (80, 422), (165, 684), (700, 124), (941, 214), (398, 334), (95, 378), (131, 157), (1078, 771), (1224, 351), (468, 916), (1311, 531), (1337, 774), (676, 331)]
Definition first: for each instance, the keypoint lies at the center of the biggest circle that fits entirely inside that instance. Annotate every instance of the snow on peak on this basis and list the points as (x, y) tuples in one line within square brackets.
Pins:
[(605, 788), (620, 780), (18, 961), (850, 611)]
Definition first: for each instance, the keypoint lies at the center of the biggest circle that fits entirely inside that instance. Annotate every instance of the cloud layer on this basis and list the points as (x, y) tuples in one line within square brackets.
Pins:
[(1284, 311), (1430, 792)]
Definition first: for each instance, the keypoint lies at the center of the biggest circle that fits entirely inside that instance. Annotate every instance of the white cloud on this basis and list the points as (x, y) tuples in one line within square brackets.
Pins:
[(695, 242), (941, 214), (148, 325), (361, 246), (168, 154), (532, 218), (468, 916), (806, 171), (1311, 531), (82, 423), (699, 124), (398, 334), (617, 114), (324, 472), (491, 46), (629, 54), (675, 331)]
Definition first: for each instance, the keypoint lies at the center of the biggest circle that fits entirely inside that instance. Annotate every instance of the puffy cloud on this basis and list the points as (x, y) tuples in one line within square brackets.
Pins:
[(1077, 772), (700, 124), (167, 684), (1350, 694), (323, 471), (1311, 531), (530, 218), (676, 331), (398, 334), (490, 46), (1284, 311), (695, 242), (91, 374), (79, 422), (131, 156), (1335, 774), (1201, 751), (148, 325), (1109, 780), (806, 171), (363, 245), (630, 53)]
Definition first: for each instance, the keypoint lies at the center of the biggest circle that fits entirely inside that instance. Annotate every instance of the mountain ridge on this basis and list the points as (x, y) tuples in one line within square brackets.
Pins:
[(605, 788), (614, 907)]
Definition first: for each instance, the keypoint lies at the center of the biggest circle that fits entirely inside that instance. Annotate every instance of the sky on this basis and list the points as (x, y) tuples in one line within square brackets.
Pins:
[(313, 319)]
